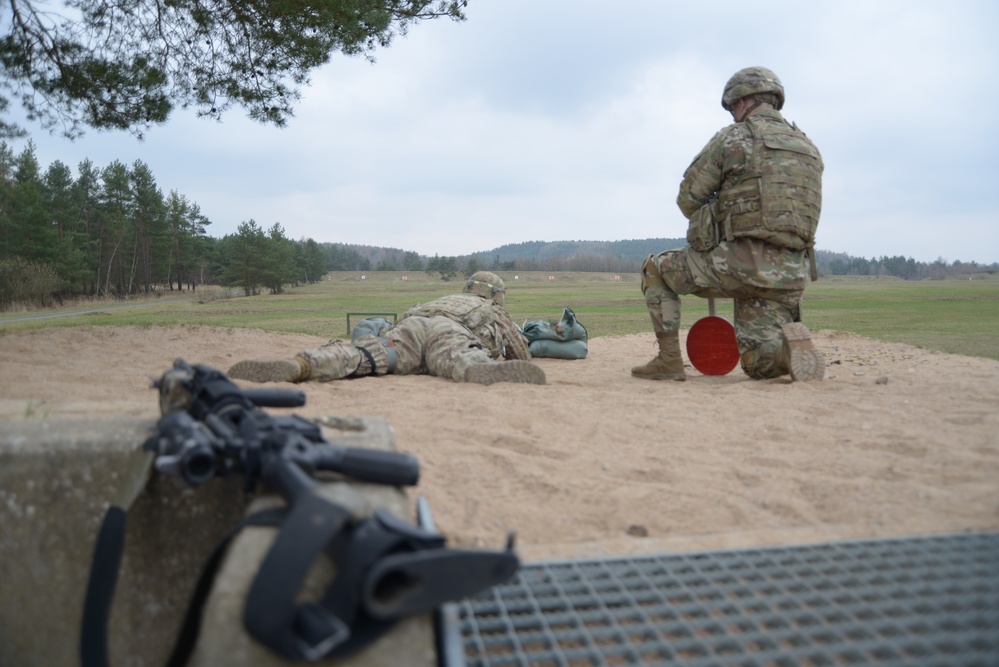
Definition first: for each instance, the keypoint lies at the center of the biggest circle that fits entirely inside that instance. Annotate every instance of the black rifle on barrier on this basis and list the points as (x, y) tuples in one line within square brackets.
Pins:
[(386, 568)]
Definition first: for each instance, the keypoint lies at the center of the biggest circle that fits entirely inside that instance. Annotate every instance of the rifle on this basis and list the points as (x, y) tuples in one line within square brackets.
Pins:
[(386, 568), (210, 427)]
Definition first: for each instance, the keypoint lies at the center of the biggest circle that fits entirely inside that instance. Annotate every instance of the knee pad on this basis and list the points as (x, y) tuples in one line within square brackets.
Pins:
[(651, 275), (759, 365)]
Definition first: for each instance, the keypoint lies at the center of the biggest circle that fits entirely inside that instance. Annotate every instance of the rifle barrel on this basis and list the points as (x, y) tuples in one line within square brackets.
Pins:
[(369, 465), (275, 398)]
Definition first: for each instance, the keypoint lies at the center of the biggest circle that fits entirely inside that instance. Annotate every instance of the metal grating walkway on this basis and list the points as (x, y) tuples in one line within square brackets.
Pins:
[(906, 602)]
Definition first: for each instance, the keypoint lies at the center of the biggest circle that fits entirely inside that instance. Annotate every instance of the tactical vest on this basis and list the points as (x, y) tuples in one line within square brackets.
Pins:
[(779, 196), (469, 310)]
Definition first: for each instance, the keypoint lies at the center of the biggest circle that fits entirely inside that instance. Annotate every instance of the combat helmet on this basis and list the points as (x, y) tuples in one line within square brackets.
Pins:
[(487, 284), (752, 81)]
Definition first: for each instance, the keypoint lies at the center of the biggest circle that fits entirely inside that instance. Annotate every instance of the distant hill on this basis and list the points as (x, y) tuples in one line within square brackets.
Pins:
[(583, 255), (628, 255), (621, 256)]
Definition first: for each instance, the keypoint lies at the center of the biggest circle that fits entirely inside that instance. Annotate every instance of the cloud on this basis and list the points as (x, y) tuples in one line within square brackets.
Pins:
[(573, 119)]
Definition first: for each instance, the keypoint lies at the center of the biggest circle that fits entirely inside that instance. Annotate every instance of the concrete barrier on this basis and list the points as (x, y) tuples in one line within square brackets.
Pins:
[(57, 479)]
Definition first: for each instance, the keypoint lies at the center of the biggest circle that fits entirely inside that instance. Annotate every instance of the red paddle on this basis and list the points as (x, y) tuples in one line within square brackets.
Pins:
[(711, 345)]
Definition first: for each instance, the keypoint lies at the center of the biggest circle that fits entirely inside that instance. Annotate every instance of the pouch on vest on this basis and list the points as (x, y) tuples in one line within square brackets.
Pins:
[(702, 231), (562, 339)]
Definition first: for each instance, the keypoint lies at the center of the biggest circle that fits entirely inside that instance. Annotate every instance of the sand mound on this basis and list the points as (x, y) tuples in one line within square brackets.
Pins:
[(896, 440)]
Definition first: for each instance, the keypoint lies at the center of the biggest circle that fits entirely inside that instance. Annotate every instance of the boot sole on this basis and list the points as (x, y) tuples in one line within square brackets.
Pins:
[(280, 370), (517, 370), (807, 363)]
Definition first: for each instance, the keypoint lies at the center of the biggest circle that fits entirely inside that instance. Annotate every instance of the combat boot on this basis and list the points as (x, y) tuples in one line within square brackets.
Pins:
[(295, 369), (668, 365), (797, 355), (515, 370)]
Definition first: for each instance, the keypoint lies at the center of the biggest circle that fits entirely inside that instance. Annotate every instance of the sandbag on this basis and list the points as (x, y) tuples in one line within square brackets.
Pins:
[(562, 339), (558, 349)]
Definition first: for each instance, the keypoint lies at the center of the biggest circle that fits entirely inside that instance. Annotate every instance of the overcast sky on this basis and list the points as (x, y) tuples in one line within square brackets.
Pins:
[(549, 120)]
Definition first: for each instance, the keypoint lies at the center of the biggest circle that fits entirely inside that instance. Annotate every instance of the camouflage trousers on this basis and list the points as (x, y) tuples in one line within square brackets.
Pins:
[(765, 281), (416, 345)]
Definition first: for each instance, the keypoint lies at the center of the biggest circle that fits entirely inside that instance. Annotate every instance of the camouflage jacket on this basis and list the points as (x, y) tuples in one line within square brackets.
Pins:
[(487, 321), (762, 178)]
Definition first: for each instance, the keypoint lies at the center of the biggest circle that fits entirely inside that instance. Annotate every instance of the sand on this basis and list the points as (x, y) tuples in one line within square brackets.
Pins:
[(896, 441)]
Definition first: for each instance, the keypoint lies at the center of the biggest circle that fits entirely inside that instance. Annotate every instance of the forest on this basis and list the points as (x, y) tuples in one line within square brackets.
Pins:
[(111, 232)]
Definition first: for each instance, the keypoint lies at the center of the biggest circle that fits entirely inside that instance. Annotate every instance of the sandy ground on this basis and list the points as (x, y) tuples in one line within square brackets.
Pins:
[(896, 441)]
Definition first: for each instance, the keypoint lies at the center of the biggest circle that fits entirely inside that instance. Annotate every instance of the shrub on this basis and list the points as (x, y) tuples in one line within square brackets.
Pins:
[(26, 282)]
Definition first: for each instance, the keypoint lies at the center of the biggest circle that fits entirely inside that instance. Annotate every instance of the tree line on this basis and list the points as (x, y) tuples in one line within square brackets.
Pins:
[(906, 268), (112, 232), (621, 257), (627, 256)]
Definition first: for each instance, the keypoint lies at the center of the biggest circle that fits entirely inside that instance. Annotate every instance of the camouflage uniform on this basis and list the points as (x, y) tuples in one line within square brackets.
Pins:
[(744, 245), (442, 337), (421, 345), (488, 321), (467, 337)]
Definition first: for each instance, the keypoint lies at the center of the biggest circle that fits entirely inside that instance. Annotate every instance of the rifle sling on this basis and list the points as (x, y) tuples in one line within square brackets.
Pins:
[(100, 588), (360, 604), (270, 602), (187, 639), (108, 550), (271, 613), (386, 569)]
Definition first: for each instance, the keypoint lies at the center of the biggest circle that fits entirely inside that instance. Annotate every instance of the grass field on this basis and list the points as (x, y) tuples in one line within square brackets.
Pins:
[(956, 316)]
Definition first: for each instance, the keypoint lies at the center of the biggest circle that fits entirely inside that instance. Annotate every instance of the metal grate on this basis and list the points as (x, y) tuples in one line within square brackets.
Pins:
[(914, 601)]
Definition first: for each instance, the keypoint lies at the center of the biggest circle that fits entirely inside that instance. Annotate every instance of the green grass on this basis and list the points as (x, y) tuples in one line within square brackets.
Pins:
[(957, 316)]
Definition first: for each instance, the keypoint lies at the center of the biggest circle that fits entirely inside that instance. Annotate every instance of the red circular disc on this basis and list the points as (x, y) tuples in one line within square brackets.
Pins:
[(711, 346)]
